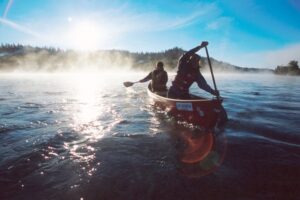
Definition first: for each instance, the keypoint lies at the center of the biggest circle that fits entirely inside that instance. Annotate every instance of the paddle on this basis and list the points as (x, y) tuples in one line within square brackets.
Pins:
[(223, 113), (212, 73), (128, 83)]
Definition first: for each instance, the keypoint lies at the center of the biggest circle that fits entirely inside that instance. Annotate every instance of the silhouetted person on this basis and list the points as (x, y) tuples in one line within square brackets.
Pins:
[(188, 73), (158, 77)]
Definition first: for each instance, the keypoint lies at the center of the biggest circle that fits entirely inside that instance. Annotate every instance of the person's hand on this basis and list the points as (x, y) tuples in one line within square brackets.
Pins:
[(204, 44)]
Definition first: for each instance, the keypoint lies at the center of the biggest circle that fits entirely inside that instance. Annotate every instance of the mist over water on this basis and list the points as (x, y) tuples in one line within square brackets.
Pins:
[(86, 136)]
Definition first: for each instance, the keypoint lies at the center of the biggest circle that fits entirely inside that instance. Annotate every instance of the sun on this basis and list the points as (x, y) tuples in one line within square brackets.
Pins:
[(86, 35)]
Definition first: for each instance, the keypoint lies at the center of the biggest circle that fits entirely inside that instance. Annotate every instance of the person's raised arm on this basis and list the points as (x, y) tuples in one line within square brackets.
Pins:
[(194, 50), (184, 59), (197, 48)]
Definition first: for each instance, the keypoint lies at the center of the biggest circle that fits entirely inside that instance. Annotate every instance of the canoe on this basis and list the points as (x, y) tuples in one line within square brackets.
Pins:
[(203, 112)]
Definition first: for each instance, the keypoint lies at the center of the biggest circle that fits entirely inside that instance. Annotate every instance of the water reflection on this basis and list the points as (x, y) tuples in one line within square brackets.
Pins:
[(88, 105), (200, 153), (86, 111), (198, 146)]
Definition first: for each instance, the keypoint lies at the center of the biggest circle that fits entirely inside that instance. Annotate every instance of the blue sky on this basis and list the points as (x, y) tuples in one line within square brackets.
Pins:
[(247, 33)]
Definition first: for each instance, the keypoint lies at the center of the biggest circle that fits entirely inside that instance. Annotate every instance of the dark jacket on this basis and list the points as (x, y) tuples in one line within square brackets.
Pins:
[(159, 80), (186, 76)]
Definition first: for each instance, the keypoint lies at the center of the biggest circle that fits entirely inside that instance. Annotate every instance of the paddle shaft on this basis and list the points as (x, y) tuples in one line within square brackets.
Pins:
[(211, 70)]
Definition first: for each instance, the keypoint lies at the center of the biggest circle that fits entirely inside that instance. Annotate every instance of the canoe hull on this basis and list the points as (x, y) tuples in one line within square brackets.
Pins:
[(197, 111)]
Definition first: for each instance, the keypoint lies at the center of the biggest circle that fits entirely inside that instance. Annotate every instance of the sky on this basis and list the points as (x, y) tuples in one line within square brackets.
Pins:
[(246, 33)]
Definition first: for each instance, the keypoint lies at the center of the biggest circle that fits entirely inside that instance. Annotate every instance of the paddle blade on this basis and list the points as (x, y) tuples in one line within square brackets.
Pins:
[(128, 84)]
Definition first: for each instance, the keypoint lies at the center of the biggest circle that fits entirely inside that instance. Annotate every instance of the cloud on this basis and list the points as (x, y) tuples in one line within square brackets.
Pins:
[(195, 16), (127, 21), (116, 23), (9, 4), (19, 27), (219, 23)]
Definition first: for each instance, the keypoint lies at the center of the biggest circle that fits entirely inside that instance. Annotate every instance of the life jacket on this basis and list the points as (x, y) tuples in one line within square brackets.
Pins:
[(184, 80), (159, 80)]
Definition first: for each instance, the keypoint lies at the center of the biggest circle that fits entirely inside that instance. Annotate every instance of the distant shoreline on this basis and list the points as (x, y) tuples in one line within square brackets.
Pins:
[(292, 69), (28, 58)]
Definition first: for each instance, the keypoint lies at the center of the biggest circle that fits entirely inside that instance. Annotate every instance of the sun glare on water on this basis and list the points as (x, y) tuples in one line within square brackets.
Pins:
[(88, 105), (87, 89)]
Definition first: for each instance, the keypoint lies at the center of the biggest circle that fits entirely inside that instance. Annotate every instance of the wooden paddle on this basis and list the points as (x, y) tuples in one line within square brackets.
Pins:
[(212, 73), (223, 114), (128, 83)]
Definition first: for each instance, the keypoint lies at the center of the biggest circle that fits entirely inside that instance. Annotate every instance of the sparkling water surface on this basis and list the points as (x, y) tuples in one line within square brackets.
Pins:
[(88, 137)]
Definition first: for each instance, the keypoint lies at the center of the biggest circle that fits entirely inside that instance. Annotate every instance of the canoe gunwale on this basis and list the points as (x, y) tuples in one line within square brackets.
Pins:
[(166, 99)]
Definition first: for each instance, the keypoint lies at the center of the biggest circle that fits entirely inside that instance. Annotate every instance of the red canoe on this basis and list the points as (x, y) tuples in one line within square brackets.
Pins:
[(200, 111)]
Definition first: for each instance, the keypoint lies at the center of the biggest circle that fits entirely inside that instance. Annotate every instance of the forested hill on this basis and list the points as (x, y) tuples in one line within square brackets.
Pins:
[(292, 68), (31, 59)]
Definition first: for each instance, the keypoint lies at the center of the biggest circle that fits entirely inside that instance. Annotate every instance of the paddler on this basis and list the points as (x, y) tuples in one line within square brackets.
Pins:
[(158, 77), (189, 72)]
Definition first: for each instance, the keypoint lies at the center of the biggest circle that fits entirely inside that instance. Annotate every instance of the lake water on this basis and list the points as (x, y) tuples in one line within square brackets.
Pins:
[(88, 137)]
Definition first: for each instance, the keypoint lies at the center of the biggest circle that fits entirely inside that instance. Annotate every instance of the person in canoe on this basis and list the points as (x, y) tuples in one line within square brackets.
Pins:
[(188, 73), (158, 77)]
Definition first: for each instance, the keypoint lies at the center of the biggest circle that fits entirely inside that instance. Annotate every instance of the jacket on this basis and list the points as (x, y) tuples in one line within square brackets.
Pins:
[(159, 80), (187, 75)]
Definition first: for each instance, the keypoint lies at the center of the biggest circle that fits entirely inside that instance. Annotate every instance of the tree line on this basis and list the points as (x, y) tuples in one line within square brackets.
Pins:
[(27, 58), (16, 56), (291, 69)]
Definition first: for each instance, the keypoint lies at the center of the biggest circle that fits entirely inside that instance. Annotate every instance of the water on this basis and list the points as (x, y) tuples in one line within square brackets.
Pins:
[(88, 137)]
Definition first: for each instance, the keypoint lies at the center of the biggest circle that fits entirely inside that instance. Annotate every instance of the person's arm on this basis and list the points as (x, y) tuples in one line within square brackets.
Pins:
[(203, 84), (184, 59), (197, 48), (147, 78), (194, 50)]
